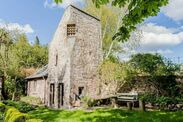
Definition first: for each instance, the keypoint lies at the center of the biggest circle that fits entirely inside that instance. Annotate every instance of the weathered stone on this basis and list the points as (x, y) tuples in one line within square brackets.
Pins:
[(74, 56), (78, 56)]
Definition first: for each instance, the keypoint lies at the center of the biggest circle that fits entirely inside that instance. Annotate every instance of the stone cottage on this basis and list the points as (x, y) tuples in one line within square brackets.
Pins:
[(74, 56)]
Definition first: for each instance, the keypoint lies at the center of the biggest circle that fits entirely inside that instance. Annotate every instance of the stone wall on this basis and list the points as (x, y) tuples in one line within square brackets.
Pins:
[(78, 56), (36, 88)]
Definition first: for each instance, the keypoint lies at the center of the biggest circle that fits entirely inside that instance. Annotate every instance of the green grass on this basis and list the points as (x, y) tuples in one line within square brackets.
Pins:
[(106, 115)]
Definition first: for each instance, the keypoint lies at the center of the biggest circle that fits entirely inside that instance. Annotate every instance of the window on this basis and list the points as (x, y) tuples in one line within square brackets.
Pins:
[(80, 91), (56, 60), (71, 29), (61, 94), (52, 94)]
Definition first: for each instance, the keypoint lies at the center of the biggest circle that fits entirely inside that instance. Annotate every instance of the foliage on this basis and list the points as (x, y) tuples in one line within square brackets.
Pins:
[(21, 106), (88, 102), (2, 107), (105, 115), (109, 17), (138, 11), (31, 100), (153, 64), (17, 54), (162, 102), (116, 73), (13, 115), (160, 73)]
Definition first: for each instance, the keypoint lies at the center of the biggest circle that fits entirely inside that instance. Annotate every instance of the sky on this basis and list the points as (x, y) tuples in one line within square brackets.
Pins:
[(161, 34)]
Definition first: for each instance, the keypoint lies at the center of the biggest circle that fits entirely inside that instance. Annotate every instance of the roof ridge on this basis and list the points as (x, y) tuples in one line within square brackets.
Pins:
[(83, 12)]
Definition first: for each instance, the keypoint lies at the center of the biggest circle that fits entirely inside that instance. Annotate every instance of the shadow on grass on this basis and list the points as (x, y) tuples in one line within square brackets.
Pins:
[(106, 115)]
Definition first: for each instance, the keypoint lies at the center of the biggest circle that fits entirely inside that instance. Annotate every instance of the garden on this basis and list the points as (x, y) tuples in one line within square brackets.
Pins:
[(43, 114)]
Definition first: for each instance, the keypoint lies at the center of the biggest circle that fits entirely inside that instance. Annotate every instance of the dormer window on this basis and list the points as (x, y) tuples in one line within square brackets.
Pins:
[(71, 29)]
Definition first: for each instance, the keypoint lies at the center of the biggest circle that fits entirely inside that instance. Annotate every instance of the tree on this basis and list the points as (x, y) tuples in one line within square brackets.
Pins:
[(37, 42), (137, 12), (160, 73), (153, 64), (110, 20), (17, 54), (5, 45)]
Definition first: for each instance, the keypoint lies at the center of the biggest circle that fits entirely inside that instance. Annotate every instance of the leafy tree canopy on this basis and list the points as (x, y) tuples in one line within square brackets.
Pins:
[(137, 12), (153, 64)]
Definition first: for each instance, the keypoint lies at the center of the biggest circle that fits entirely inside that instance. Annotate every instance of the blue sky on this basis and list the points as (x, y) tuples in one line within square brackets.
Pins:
[(162, 34)]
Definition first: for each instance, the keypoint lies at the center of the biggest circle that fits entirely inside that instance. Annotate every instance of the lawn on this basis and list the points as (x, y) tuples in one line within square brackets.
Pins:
[(106, 115)]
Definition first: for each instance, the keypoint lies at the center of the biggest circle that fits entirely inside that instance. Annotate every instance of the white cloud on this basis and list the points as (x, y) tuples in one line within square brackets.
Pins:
[(163, 52), (16, 26), (174, 10), (64, 4), (155, 36)]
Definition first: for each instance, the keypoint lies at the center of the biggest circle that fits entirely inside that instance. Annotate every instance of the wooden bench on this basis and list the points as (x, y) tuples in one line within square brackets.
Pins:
[(130, 98)]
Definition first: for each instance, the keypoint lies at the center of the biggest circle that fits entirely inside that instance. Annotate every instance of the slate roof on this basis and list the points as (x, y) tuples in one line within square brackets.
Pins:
[(43, 72)]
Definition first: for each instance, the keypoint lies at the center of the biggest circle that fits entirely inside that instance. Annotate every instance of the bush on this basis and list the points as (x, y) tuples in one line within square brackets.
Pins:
[(2, 107), (31, 100), (88, 102), (164, 102), (21, 106), (13, 115), (149, 98), (34, 120)]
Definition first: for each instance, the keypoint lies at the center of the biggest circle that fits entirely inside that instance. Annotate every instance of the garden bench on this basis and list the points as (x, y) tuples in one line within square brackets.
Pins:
[(130, 98), (127, 97)]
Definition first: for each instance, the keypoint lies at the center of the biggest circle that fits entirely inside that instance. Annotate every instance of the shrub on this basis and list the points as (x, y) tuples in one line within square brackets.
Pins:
[(88, 102), (2, 107), (13, 115), (34, 120), (31, 100), (147, 97), (21, 106)]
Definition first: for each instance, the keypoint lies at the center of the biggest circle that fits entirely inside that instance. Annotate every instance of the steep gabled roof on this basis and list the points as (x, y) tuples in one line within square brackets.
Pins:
[(84, 12), (43, 72)]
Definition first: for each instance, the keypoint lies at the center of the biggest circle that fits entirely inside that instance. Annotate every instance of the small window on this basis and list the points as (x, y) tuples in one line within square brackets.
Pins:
[(71, 29), (56, 60), (80, 91)]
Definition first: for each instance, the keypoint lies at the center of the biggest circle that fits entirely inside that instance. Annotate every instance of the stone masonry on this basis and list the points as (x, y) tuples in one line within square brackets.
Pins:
[(74, 59)]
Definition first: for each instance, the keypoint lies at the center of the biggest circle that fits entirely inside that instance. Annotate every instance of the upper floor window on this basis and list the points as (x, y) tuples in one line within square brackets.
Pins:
[(56, 60), (71, 29)]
